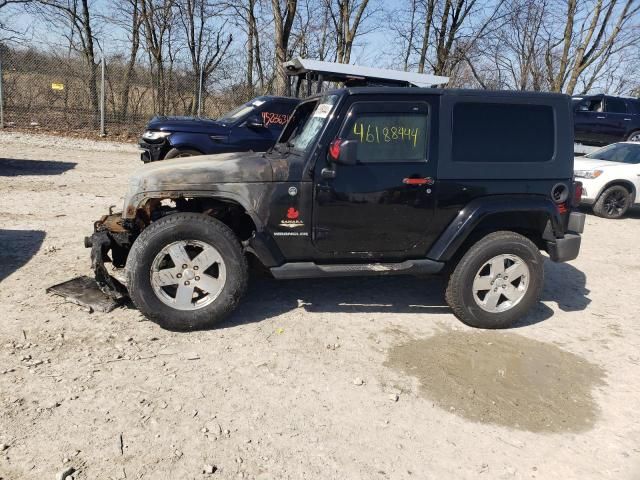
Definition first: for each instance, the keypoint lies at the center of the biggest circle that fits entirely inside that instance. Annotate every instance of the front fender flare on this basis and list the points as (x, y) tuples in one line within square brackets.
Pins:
[(135, 202), (477, 210)]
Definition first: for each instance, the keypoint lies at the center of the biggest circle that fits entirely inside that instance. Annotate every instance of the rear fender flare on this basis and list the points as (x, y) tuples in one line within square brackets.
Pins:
[(479, 209)]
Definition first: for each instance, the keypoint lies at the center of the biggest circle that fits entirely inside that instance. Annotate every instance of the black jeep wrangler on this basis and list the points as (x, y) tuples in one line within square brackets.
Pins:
[(363, 181)]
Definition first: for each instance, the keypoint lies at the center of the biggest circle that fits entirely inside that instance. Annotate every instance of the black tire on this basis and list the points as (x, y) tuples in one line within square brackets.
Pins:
[(185, 226), (460, 295), (613, 202), (634, 136), (181, 152)]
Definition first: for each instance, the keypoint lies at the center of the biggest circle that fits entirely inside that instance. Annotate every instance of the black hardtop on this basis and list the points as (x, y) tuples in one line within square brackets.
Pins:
[(452, 92), (557, 165)]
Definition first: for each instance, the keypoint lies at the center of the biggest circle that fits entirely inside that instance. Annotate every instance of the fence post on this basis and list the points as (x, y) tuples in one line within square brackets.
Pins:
[(200, 93), (1, 98), (103, 92)]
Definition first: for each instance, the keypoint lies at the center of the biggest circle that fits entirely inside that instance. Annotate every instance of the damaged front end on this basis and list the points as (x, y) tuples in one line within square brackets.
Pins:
[(110, 243)]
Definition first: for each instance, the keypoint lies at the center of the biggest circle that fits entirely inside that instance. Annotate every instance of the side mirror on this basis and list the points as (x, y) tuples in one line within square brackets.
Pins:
[(343, 151), (254, 122)]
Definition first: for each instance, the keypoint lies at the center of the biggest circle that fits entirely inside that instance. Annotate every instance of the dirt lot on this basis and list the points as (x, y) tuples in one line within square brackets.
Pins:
[(341, 379)]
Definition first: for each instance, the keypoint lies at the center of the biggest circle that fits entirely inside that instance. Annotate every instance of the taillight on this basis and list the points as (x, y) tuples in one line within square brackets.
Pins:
[(577, 193), (334, 149)]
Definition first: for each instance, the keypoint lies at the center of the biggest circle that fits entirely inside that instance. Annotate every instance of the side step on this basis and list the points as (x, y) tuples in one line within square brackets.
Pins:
[(313, 270)]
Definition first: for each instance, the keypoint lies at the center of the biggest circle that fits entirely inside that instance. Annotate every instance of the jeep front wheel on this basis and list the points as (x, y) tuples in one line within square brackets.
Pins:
[(186, 271), (497, 281)]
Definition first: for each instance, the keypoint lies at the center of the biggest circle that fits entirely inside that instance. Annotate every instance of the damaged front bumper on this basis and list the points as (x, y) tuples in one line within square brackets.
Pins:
[(110, 243), (152, 152)]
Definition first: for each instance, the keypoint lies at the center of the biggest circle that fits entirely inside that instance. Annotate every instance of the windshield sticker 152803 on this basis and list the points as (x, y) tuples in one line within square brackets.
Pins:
[(270, 118)]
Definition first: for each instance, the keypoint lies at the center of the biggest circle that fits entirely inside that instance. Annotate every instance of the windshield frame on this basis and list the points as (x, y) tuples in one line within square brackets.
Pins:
[(318, 100)]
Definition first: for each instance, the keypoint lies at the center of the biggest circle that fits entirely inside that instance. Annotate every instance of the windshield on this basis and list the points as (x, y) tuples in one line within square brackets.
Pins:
[(618, 152), (310, 125), (236, 113), (241, 111)]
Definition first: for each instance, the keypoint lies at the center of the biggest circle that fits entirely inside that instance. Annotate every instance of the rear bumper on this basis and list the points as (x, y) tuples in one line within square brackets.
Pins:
[(568, 247)]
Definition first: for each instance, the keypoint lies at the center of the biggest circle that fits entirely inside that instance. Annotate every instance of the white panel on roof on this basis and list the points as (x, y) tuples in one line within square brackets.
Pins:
[(302, 65)]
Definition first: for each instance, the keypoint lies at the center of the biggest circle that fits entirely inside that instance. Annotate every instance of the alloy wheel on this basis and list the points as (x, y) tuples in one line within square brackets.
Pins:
[(501, 283), (188, 274), (615, 203)]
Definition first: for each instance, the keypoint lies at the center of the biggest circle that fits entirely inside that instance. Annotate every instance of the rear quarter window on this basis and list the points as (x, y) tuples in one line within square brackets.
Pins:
[(503, 133)]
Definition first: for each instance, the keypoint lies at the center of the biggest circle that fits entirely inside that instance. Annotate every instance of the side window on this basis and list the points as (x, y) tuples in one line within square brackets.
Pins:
[(616, 105), (501, 132), (276, 115), (634, 106), (590, 105), (388, 137), (634, 155)]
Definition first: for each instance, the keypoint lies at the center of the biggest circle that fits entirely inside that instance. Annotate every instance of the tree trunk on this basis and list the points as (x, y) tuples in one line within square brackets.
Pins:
[(427, 34), (131, 64)]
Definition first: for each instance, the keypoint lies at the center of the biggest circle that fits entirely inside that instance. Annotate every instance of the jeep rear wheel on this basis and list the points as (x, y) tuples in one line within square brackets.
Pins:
[(613, 202), (186, 271), (497, 281)]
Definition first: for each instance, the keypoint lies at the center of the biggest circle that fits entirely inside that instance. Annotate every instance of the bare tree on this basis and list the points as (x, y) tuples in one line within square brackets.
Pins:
[(157, 17), (244, 13), (283, 16), (4, 3), (429, 8), (457, 35), (518, 46), (593, 32), (347, 17), (77, 16), (206, 39), (126, 15)]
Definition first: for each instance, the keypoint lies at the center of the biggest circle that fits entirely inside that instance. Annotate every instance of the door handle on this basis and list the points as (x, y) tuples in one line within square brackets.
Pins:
[(418, 181), (627, 119), (601, 117)]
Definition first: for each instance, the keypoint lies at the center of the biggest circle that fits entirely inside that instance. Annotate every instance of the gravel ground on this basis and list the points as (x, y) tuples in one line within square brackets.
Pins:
[(342, 379)]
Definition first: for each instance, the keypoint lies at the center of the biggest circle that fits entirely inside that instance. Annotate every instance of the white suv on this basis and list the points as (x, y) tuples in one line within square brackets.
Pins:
[(610, 178)]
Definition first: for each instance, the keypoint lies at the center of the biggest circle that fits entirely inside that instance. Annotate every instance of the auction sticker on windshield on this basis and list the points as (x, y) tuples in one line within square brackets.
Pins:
[(323, 110)]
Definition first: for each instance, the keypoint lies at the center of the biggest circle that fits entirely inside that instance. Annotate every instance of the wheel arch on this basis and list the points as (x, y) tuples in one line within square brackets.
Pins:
[(628, 184), (632, 132), (228, 207), (533, 216)]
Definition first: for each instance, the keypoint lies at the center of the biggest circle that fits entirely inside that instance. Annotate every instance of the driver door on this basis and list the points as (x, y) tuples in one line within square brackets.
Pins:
[(384, 202)]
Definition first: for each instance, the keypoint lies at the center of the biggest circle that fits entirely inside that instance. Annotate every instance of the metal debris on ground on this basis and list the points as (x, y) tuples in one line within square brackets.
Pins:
[(84, 291)]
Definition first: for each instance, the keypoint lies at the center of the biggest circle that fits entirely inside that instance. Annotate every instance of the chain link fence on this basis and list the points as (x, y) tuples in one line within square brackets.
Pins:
[(66, 94)]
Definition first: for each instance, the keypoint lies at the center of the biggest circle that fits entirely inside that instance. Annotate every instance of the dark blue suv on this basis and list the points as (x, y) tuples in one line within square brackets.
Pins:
[(602, 119), (255, 125)]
